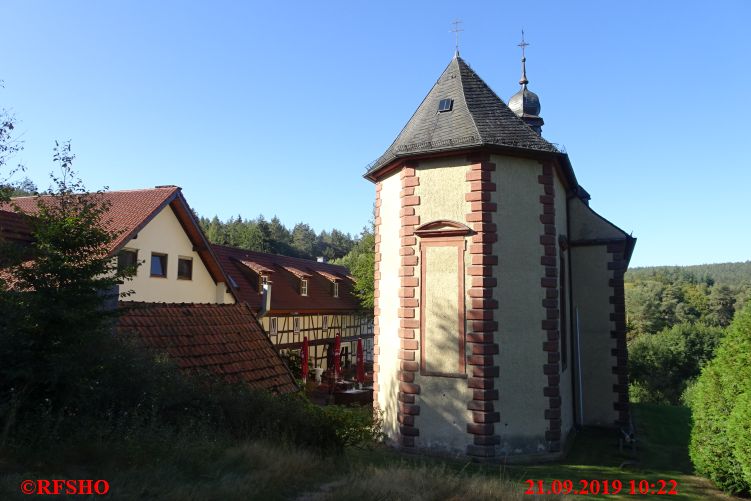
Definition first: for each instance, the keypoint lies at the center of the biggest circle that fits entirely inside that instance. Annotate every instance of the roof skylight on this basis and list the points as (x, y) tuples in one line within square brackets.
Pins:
[(445, 105)]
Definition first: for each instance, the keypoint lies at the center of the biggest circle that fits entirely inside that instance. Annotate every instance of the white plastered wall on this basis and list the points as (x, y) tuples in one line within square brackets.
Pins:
[(388, 303), (164, 235), (591, 295), (519, 293), (443, 400)]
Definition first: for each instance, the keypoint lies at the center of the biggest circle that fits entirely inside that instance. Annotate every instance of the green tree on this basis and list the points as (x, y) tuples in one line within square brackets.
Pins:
[(361, 263), (721, 303), (215, 231), (53, 319), (279, 234), (661, 365), (643, 301), (304, 240), (9, 146), (721, 411)]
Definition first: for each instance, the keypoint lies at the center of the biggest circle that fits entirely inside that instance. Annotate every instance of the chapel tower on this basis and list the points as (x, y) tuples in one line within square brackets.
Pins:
[(478, 224)]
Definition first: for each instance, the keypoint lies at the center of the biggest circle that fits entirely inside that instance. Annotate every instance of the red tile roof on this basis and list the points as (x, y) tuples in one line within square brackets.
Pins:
[(131, 210), (225, 339), (296, 271), (257, 267), (329, 276), (285, 289), (14, 227)]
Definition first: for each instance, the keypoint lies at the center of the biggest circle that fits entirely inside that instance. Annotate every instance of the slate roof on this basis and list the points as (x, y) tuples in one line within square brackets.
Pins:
[(241, 265), (478, 118), (225, 339)]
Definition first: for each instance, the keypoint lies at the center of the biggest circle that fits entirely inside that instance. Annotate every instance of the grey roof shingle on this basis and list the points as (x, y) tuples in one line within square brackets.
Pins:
[(478, 118)]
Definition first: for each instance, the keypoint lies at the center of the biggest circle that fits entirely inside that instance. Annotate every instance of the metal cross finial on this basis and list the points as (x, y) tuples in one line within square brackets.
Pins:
[(457, 30), (523, 45), (523, 80)]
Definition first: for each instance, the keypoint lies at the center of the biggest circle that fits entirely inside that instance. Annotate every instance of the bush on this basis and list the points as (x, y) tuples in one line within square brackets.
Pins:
[(721, 411), (662, 364), (356, 426)]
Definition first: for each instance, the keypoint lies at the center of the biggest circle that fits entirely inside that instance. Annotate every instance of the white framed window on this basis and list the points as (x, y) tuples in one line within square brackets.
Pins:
[(296, 324), (325, 322), (303, 286), (273, 329), (336, 289), (262, 280)]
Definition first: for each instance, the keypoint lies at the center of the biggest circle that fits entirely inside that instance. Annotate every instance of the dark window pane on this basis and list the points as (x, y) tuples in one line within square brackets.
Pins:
[(445, 105), (185, 269), (158, 265), (126, 259)]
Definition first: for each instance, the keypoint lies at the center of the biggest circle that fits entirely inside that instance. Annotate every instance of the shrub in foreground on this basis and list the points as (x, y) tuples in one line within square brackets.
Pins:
[(721, 408)]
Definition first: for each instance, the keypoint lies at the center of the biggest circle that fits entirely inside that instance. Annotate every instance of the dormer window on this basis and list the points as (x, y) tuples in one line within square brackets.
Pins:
[(336, 289), (262, 280), (445, 105), (303, 286)]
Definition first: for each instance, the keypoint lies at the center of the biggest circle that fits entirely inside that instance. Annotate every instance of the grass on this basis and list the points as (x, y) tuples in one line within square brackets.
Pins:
[(184, 468)]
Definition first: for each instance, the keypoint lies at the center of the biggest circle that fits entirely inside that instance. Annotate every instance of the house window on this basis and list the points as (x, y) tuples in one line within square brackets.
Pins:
[(262, 280), (185, 268), (303, 286), (336, 289), (272, 326), (325, 323), (296, 325), (158, 265), (127, 259)]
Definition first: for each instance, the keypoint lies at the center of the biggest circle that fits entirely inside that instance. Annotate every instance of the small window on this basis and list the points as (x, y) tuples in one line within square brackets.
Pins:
[(185, 268), (262, 280), (325, 323), (336, 289), (296, 325), (127, 259), (158, 265), (303, 286), (232, 282), (445, 105), (272, 326)]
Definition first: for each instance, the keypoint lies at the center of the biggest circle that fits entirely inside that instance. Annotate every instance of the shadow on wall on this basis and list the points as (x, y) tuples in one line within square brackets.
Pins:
[(444, 394)]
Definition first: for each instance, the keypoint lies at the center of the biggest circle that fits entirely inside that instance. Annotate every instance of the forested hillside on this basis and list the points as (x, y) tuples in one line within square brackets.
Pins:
[(272, 236), (677, 317), (730, 274)]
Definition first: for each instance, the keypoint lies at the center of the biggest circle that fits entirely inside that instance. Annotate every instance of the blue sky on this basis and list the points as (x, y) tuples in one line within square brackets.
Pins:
[(277, 107)]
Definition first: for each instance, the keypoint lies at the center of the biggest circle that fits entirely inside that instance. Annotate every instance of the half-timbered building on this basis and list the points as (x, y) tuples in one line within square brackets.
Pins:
[(294, 298)]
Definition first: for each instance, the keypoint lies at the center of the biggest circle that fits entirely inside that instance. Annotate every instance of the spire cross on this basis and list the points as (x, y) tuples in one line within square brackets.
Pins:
[(523, 80), (457, 30), (523, 45)]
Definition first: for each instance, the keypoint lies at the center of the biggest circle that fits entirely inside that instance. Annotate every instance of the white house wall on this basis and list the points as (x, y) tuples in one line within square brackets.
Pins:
[(165, 235)]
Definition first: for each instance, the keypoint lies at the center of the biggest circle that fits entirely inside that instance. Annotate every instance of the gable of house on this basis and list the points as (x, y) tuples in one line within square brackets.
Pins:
[(158, 222)]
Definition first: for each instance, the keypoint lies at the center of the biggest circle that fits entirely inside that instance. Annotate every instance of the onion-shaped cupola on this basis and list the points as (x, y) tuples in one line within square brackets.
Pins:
[(525, 103)]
